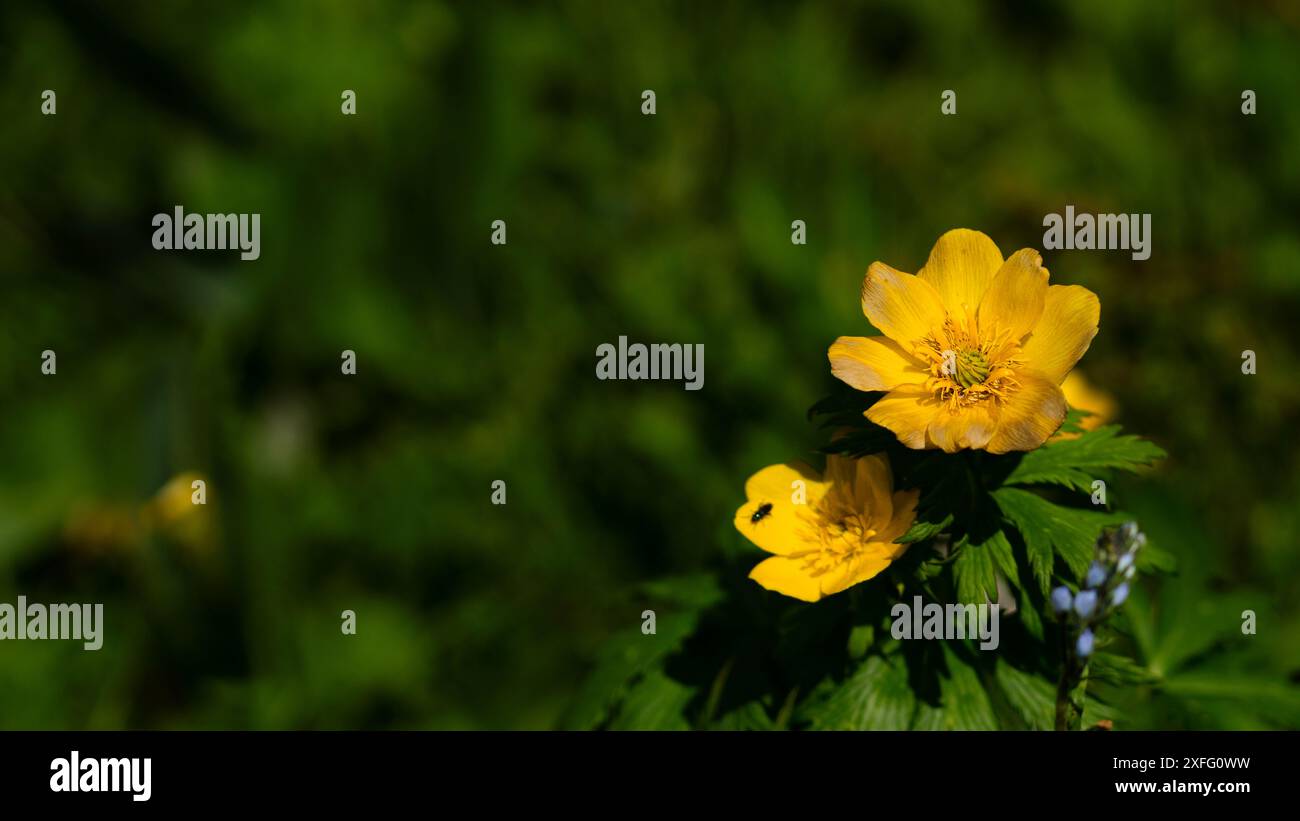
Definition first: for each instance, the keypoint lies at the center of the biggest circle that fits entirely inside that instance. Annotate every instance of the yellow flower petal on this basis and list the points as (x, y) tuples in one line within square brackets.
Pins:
[(969, 427), (1082, 394), (875, 363), (1030, 415), (786, 576), (1014, 300), (874, 488), (858, 569), (780, 529), (903, 307), (907, 412), (1064, 331), (961, 266), (904, 506)]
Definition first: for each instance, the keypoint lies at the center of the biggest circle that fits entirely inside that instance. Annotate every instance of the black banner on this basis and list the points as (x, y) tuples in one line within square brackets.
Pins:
[(330, 770)]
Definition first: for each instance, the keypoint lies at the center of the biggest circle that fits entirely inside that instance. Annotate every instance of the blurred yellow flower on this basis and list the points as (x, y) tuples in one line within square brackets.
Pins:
[(974, 349), (1083, 395), (174, 511), (828, 532), (102, 528)]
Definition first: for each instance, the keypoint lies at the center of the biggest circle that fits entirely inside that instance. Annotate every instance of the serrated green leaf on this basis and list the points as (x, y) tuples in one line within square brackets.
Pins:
[(876, 697), (1095, 711), (976, 579), (1075, 463), (655, 702), (964, 703), (1074, 420), (630, 654), (751, 715), (1120, 670), (1032, 697), (1038, 549), (1030, 616), (1000, 549), (921, 531), (1070, 532)]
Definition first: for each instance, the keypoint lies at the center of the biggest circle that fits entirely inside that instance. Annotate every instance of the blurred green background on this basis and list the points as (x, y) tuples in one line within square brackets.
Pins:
[(476, 362)]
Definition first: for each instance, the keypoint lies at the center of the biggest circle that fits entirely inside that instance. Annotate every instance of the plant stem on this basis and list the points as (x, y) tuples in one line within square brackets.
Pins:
[(1072, 688)]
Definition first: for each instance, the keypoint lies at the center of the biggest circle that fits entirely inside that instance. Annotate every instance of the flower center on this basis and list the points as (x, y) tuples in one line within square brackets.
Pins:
[(970, 368), (841, 529)]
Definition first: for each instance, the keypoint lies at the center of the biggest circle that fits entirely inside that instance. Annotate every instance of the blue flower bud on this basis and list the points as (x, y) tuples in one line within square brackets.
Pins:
[(1083, 647), (1061, 599), (1124, 563), (1118, 595), (1096, 576), (1085, 603)]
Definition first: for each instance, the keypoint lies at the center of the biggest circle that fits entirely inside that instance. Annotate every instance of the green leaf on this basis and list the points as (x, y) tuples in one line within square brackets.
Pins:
[(975, 576), (630, 655), (921, 531), (861, 638), (1038, 549), (1075, 463), (1032, 697), (655, 702), (844, 412), (1000, 549), (751, 715), (964, 704), (1030, 614), (1095, 711), (1070, 532), (1277, 700), (1074, 420), (1151, 559), (1189, 626), (695, 592), (1119, 670), (876, 697)]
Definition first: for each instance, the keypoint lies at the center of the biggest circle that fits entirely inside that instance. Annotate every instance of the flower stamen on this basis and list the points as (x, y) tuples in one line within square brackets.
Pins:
[(968, 367)]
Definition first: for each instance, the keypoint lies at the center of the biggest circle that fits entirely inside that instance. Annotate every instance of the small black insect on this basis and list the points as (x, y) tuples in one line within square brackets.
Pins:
[(764, 510)]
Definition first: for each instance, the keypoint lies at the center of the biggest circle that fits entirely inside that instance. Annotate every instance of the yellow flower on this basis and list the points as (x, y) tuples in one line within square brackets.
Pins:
[(102, 528), (1082, 394), (174, 512), (828, 532), (974, 348)]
